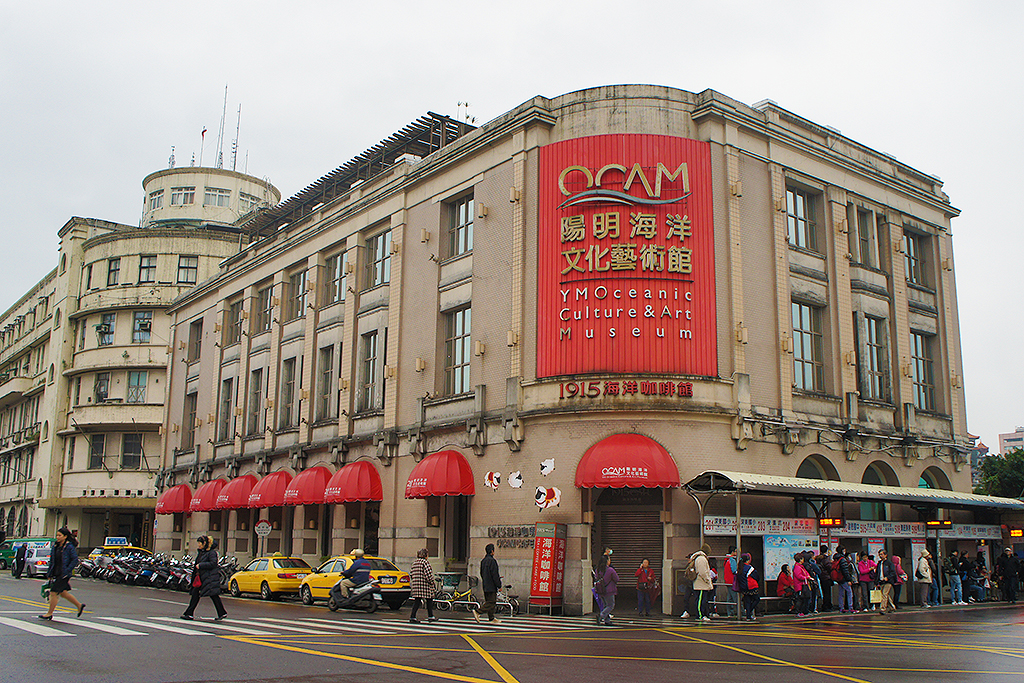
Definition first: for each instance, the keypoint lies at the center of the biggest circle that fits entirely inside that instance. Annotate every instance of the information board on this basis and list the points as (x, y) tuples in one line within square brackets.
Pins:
[(779, 550)]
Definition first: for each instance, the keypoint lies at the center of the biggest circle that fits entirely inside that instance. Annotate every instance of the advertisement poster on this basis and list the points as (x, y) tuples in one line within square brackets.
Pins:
[(779, 550), (874, 545), (916, 546)]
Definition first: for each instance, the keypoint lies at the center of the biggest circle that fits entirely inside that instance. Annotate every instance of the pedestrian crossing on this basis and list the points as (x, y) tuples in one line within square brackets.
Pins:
[(66, 625)]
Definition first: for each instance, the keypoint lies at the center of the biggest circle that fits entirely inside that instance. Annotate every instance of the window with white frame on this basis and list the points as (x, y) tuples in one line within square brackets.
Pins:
[(101, 387), (113, 271), (217, 196), (264, 310), (370, 371), (131, 451), (183, 195), (325, 389), (255, 402), (188, 270), (105, 330), (247, 202), (286, 415), (458, 326), (142, 327), (147, 268), (923, 370), (378, 259), (875, 368), (916, 252), (97, 446), (808, 349), (226, 424), (801, 226), (233, 323), (335, 278), (296, 307), (156, 200), (460, 226), (188, 430), (137, 382)]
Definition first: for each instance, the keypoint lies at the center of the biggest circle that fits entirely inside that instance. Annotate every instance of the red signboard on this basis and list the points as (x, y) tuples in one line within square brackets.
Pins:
[(548, 578), (626, 257)]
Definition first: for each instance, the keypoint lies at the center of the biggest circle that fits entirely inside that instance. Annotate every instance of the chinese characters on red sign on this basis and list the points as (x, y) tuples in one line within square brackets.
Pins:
[(548, 578), (628, 387), (626, 256)]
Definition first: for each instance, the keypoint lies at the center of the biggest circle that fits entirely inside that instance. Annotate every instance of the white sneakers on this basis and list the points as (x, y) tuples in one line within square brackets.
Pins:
[(684, 615)]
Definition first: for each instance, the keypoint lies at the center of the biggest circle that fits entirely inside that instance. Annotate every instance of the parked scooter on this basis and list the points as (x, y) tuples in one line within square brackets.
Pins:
[(359, 597)]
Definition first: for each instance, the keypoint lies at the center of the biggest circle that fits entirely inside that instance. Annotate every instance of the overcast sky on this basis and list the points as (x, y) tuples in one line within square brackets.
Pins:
[(94, 94)]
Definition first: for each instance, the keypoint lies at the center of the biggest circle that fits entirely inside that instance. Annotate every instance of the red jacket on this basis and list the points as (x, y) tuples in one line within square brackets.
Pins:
[(785, 581)]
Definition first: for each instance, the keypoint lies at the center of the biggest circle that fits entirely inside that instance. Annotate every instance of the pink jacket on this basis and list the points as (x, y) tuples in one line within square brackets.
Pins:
[(800, 577), (864, 568)]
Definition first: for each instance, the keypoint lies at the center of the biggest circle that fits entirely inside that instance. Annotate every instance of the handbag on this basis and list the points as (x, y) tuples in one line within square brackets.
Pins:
[(876, 595), (44, 590), (197, 581)]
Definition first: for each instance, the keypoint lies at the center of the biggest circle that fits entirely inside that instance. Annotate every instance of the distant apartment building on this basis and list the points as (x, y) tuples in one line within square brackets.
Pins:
[(1008, 442)]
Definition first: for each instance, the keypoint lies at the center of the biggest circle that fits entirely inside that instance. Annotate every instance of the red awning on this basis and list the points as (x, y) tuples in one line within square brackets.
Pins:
[(269, 491), (205, 497), (445, 473), (174, 499), (627, 461), (308, 487), (236, 493), (355, 482)]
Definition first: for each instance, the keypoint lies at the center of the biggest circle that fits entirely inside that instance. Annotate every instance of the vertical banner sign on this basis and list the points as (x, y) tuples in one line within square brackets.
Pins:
[(548, 578), (626, 257)]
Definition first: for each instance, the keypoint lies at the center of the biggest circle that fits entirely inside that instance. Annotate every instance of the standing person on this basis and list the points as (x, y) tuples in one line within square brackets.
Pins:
[(644, 583), (1007, 567), (206, 579), (704, 584), (607, 586), (842, 568), (886, 578), (19, 560), (812, 568), (924, 576), (490, 582), (421, 576), (801, 581), (729, 576), (901, 578), (865, 580), (951, 566), (933, 594), (63, 559), (747, 584), (825, 578)]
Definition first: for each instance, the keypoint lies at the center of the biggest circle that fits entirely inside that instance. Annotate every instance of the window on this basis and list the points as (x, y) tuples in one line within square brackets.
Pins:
[(875, 371), (367, 395), (195, 341), (131, 451), (255, 401), (96, 447), (923, 374), (296, 296), (147, 268), (378, 259), (113, 271), (88, 276), (460, 226), (101, 387), (458, 326), (336, 280), (915, 255), (188, 269), (325, 391), (183, 195), (233, 323), (105, 330), (800, 225), (226, 426), (808, 367), (217, 196), (71, 452), (188, 430), (156, 200), (137, 381), (78, 391), (264, 309), (247, 202), (286, 417), (142, 326)]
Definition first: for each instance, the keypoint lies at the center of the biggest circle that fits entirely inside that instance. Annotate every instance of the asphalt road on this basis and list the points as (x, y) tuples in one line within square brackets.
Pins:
[(124, 636)]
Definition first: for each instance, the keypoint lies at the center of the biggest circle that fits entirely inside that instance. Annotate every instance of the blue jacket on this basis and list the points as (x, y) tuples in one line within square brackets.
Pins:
[(358, 571), (69, 560)]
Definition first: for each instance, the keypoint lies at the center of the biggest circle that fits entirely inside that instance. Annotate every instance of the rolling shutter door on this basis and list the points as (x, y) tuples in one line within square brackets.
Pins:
[(632, 535)]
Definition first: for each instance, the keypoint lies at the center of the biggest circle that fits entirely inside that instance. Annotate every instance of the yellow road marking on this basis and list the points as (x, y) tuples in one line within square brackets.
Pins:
[(34, 603), (771, 659), (498, 668)]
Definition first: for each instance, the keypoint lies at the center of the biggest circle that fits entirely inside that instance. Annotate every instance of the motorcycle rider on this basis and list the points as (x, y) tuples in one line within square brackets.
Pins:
[(357, 573)]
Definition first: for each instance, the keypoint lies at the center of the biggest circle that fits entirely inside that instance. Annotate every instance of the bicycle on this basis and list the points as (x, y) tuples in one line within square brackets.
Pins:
[(449, 598), (505, 601)]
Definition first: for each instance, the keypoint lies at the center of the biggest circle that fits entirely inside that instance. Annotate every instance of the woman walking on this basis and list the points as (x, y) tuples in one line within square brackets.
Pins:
[(63, 559), (422, 578), (901, 578), (606, 583), (206, 579)]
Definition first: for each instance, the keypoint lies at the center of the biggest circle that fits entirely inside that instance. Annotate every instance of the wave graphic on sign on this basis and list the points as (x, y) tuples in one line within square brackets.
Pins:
[(615, 197)]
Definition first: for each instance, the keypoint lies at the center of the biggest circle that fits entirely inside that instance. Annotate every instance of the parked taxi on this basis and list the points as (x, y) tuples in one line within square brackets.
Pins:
[(394, 587), (270, 576)]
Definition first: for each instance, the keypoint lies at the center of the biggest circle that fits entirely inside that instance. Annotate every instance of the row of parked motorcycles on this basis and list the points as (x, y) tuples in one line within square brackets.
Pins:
[(158, 571)]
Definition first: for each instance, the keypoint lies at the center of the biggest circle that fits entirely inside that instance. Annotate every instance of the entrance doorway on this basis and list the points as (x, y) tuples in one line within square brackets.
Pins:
[(629, 523)]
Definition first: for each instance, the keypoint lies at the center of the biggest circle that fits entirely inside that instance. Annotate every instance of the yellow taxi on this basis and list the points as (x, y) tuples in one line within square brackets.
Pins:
[(394, 587), (270, 576)]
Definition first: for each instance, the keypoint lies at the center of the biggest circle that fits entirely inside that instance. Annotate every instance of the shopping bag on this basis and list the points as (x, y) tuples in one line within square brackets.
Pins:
[(876, 595), (44, 590)]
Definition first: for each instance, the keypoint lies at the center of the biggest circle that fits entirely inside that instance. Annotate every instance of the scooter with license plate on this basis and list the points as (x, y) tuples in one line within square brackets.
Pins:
[(360, 597)]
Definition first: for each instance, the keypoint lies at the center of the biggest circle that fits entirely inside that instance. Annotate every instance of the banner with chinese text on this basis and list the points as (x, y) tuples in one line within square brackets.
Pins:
[(548, 577)]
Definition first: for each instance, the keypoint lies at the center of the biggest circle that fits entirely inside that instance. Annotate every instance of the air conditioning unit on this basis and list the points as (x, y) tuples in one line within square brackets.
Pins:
[(145, 325), (103, 329)]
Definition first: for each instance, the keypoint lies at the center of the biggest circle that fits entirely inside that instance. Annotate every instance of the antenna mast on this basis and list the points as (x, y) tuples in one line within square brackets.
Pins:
[(220, 135), (234, 145)]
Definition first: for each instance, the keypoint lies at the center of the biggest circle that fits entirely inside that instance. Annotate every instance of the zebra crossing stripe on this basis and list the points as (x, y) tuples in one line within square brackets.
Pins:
[(277, 623), (95, 625), (160, 627), (223, 627), (32, 627), (337, 625)]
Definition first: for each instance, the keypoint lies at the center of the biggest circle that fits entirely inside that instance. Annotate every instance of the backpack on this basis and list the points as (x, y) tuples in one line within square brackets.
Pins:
[(690, 573), (837, 573)]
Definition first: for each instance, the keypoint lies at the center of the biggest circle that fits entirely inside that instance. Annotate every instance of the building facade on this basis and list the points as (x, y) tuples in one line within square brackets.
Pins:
[(1008, 442), (85, 358), (561, 317)]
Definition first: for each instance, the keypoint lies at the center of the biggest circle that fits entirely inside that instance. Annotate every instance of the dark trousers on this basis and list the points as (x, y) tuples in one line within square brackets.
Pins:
[(750, 601), (194, 602), (488, 606), (19, 567), (416, 605)]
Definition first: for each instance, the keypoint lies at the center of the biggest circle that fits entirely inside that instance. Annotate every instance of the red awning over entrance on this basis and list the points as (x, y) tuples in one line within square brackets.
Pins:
[(627, 461), (174, 499), (308, 487), (269, 491), (205, 497), (445, 473), (235, 493), (355, 482)]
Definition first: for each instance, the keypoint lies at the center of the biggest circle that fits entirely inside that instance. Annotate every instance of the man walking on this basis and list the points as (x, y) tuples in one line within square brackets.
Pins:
[(704, 584), (490, 580), (19, 560), (886, 579)]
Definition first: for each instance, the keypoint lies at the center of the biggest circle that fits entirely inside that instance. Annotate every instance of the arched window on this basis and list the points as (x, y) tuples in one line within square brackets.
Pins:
[(56, 318), (63, 263), (934, 478), (49, 377), (817, 467), (877, 473)]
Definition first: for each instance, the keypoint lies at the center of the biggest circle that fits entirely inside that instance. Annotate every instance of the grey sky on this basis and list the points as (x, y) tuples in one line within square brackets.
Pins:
[(93, 96)]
